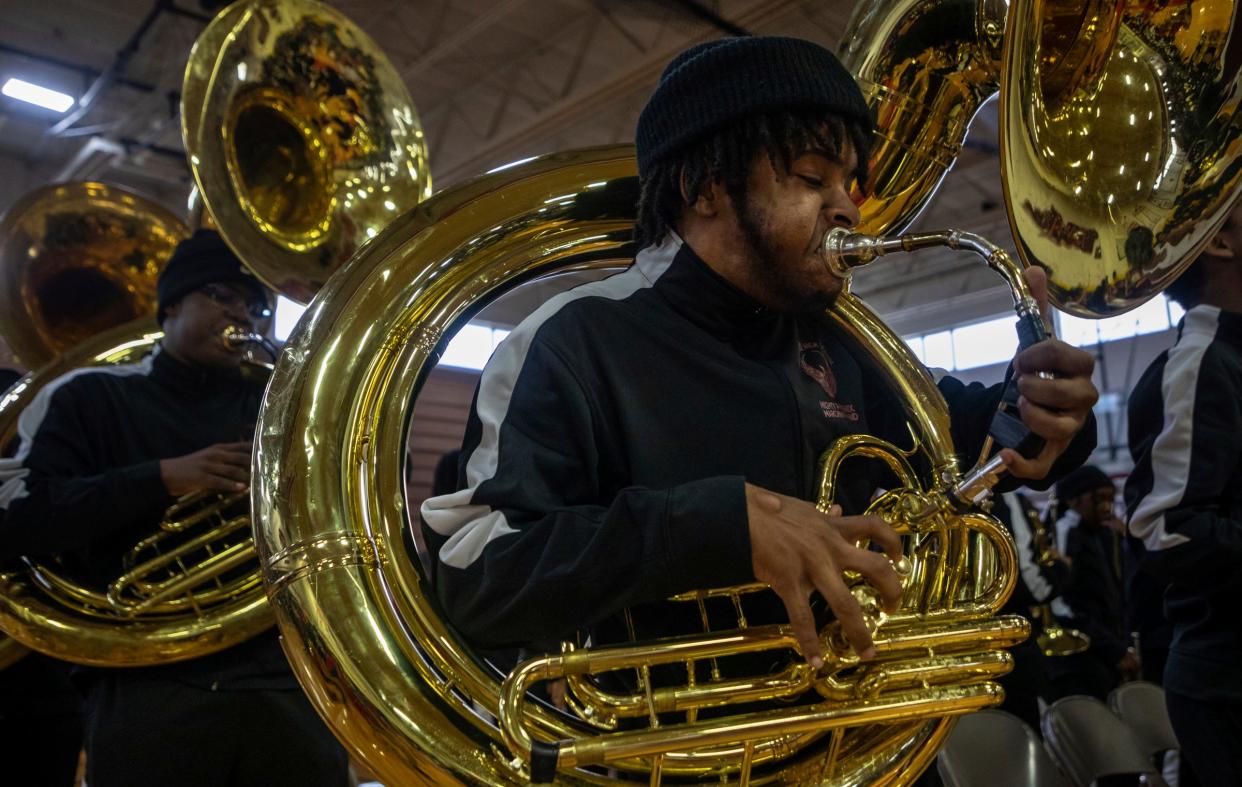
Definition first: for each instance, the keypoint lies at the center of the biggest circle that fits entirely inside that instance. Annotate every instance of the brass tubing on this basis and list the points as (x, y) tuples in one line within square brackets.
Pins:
[(844, 250), (201, 506), (959, 635), (235, 556), (789, 682), (865, 446), (933, 639), (1006, 573), (614, 747), (164, 558), (671, 650), (934, 671)]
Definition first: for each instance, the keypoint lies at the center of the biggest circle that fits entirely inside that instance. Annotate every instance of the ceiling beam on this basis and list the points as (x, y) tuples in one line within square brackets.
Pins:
[(594, 99)]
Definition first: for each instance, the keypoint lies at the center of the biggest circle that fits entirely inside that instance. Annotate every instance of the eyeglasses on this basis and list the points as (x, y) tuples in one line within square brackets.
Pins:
[(231, 299)]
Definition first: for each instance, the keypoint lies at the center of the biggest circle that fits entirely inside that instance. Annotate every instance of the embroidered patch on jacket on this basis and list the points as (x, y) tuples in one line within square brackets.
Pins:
[(816, 363)]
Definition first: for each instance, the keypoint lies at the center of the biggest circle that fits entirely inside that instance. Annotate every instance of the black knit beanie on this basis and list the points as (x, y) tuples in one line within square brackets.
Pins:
[(712, 84), (203, 258), (1087, 478)]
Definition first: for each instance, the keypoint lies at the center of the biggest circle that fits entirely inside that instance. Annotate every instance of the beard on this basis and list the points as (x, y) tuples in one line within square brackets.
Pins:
[(784, 292)]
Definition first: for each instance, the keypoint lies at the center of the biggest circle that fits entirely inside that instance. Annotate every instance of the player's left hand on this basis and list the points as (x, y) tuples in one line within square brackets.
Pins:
[(1054, 405)]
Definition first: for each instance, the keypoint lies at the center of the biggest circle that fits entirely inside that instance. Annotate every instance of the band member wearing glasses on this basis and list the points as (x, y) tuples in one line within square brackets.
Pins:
[(659, 430), (1184, 500), (103, 452)]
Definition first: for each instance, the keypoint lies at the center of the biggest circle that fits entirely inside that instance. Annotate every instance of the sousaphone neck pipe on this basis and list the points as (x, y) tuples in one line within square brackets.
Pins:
[(844, 251)]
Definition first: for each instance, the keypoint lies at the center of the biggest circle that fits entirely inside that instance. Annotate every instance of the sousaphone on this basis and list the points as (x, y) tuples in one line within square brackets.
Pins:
[(75, 260), (304, 144), (419, 705)]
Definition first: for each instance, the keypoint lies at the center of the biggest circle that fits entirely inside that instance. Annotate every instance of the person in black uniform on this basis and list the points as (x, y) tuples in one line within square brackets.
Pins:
[(1086, 533), (1184, 500), (1039, 581), (658, 431), (103, 452), (40, 710)]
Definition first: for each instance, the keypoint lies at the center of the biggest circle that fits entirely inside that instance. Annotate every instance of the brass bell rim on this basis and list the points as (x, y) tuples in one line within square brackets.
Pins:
[(227, 62), (23, 236), (278, 106), (1110, 244)]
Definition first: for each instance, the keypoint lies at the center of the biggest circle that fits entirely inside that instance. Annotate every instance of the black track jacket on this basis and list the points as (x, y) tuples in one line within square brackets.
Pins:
[(1184, 499), (604, 459), (85, 482)]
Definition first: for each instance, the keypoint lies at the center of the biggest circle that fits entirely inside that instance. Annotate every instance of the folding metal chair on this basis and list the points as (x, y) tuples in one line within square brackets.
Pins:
[(1092, 744), (1141, 706), (992, 748)]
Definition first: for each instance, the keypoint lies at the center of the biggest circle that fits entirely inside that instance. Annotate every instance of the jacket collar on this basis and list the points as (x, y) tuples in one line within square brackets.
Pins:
[(701, 295), (1215, 323), (189, 380)]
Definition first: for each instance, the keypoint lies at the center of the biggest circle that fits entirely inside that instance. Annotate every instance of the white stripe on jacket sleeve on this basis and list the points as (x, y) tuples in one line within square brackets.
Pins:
[(470, 528)]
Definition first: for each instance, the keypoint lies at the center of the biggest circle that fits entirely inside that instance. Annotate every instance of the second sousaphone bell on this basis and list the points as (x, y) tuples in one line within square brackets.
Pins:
[(303, 140), (75, 260)]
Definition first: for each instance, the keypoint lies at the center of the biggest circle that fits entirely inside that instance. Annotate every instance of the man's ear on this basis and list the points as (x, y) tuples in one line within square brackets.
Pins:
[(171, 311), (1224, 245), (707, 203)]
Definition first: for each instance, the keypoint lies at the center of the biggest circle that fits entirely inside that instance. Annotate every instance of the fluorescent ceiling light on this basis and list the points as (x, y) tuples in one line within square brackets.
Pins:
[(31, 93)]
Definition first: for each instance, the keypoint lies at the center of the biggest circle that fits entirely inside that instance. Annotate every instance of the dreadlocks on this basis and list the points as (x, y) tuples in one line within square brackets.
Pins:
[(677, 180)]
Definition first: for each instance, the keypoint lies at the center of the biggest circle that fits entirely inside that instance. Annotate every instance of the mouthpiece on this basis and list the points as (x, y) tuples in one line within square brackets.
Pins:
[(844, 250)]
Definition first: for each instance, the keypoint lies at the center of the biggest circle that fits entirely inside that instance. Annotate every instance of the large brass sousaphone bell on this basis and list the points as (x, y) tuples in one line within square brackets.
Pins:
[(303, 143), (1118, 129), (302, 138), (405, 692), (410, 698), (77, 259)]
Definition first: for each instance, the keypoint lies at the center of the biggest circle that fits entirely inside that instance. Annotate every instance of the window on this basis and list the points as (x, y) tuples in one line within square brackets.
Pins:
[(985, 343), (1158, 314), (996, 340), (473, 345), (469, 348), (287, 315), (938, 350), (916, 346)]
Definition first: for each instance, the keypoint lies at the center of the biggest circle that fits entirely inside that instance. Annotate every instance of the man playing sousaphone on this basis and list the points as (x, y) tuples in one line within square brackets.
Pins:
[(103, 452), (658, 431)]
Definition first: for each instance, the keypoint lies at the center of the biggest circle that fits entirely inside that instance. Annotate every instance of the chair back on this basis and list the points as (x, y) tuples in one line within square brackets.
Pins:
[(1092, 744), (1141, 706), (993, 747)]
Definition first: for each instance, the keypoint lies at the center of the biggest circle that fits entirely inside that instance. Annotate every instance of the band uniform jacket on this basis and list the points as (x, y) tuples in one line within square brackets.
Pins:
[(611, 433), (1184, 499), (1093, 599), (1037, 583), (85, 481)]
